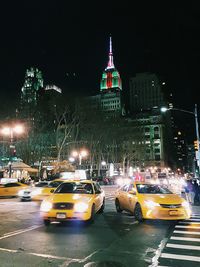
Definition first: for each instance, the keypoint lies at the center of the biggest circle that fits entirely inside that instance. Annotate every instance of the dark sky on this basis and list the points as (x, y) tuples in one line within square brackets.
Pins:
[(61, 37)]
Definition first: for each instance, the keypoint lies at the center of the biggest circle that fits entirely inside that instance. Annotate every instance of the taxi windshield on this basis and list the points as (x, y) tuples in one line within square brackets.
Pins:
[(54, 184), (152, 189), (74, 188)]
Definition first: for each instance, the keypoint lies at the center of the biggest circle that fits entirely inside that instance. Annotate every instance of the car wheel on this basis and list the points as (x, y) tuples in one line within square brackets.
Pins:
[(117, 205), (102, 207), (138, 213), (46, 222)]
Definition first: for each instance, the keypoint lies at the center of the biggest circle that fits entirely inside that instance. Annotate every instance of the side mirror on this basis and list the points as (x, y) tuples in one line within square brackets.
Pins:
[(52, 190)]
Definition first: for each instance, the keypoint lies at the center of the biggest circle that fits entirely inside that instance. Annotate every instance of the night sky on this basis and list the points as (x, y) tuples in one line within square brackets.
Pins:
[(66, 37)]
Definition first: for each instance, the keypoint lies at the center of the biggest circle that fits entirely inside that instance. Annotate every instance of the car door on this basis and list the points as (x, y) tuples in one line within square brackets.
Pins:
[(3, 190), (131, 198), (98, 196), (12, 189), (122, 197)]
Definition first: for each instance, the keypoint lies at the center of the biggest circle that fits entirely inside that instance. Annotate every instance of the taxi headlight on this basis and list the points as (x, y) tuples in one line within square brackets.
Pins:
[(46, 206), (80, 207), (36, 192), (185, 204), (151, 204)]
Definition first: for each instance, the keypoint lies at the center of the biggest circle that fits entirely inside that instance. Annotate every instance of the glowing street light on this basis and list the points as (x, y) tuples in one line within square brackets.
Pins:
[(80, 154), (10, 131)]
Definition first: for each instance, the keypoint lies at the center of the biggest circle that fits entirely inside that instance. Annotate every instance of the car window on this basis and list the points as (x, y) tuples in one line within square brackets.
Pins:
[(97, 188), (125, 188), (152, 189), (41, 184), (11, 185), (74, 188), (54, 184)]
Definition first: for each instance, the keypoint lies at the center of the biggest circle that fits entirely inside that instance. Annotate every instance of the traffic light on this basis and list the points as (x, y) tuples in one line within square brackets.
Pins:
[(196, 145)]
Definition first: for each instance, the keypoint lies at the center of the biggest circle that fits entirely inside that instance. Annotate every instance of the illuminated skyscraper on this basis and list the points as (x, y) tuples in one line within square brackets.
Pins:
[(110, 87), (111, 80), (29, 93)]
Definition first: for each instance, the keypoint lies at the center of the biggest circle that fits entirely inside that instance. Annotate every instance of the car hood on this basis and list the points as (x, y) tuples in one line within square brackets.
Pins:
[(70, 198), (163, 198)]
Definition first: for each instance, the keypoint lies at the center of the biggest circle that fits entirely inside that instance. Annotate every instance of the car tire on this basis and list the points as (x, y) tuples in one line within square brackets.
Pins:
[(102, 207), (47, 222), (118, 207), (138, 213)]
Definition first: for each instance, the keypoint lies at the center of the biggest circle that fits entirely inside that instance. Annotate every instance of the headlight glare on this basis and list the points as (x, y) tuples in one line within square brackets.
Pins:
[(151, 204), (36, 192), (80, 207), (185, 204), (46, 206), (21, 193)]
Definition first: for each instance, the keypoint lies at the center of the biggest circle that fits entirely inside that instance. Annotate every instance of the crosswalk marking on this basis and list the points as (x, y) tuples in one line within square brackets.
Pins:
[(180, 257), (194, 219), (190, 247), (187, 232), (185, 238), (185, 222), (181, 249), (187, 226)]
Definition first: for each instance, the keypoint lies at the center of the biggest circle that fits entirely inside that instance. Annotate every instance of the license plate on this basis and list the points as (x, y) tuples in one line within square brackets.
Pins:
[(61, 215), (173, 212)]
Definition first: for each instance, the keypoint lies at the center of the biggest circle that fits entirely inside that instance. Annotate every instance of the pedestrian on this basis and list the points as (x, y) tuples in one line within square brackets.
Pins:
[(191, 191), (187, 192), (196, 192)]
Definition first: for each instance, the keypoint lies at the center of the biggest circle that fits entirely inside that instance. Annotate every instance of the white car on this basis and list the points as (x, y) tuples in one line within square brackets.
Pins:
[(32, 191)]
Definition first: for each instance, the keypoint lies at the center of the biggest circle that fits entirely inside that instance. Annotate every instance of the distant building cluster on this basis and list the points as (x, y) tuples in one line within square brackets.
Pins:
[(148, 138)]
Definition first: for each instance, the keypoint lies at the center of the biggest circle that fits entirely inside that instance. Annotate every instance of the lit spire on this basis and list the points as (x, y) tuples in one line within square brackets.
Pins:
[(110, 62)]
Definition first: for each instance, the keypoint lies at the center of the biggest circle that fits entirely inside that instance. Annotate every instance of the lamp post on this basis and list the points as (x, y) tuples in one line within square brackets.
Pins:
[(195, 114), (10, 131), (80, 154)]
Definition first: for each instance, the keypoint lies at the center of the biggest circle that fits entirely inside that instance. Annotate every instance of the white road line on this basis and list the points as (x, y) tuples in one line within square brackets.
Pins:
[(8, 250), (20, 231), (187, 232), (185, 238), (189, 222), (169, 245), (187, 226), (42, 255), (180, 257), (195, 220)]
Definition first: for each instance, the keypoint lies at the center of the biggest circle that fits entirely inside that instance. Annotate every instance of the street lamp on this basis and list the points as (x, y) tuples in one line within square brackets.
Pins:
[(10, 131), (80, 154), (164, 109)]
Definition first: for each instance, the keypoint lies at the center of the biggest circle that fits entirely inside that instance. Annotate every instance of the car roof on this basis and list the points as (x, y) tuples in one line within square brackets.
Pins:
[(78, 180)]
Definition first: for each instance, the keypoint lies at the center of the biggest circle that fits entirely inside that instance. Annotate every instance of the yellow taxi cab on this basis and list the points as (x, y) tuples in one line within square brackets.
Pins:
[(73, 200), (151, 201), (11, 189), (46, 190)]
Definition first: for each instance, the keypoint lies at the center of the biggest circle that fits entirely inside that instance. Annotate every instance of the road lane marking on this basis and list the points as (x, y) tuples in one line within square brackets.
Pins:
[(189, 222), (185, 238), (8, 250), (20, 231), (170, 245), (41, 255), (187, 226), (187, 232), (179, 257), (193, 219)]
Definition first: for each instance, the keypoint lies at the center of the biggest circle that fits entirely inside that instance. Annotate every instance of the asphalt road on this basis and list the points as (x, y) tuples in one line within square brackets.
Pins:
[(112, 240)]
